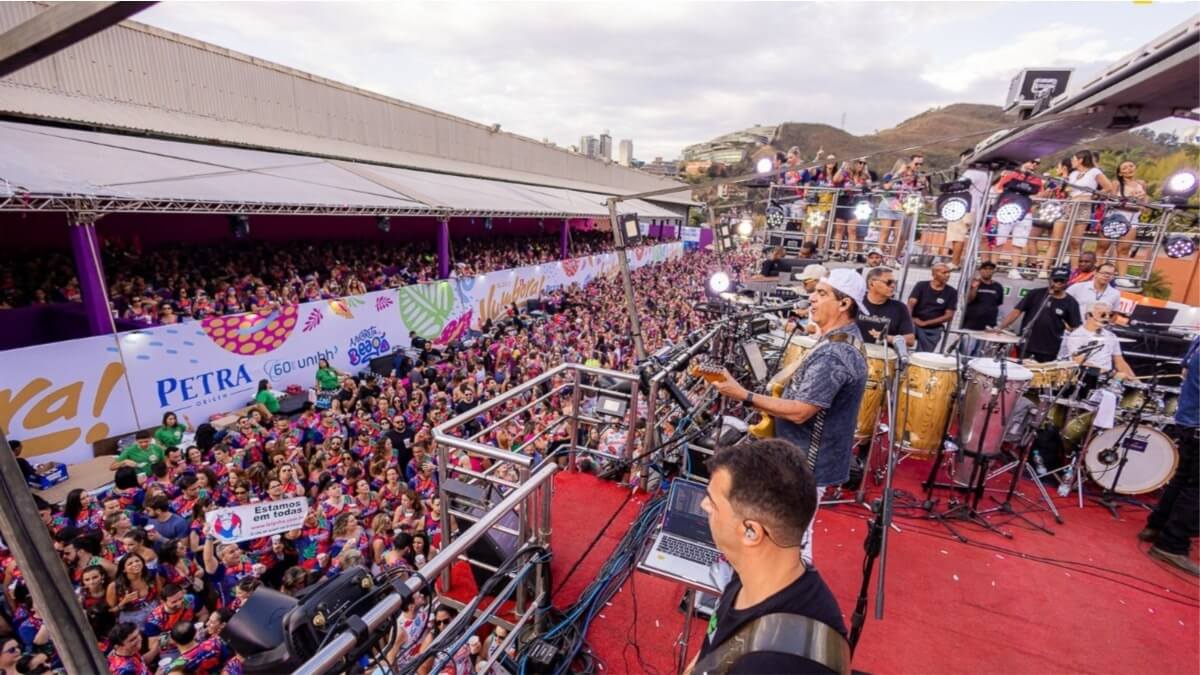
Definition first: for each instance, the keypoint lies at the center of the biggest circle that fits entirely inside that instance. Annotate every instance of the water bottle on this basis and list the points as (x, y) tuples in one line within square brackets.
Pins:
[(1064, 488), (1039, 463)]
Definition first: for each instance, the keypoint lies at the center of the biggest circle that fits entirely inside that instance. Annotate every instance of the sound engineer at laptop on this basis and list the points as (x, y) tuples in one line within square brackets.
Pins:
[(760, 498)]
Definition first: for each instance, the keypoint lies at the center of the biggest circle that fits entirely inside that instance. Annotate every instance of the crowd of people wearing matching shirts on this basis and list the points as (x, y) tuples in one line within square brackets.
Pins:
[(158, 588)]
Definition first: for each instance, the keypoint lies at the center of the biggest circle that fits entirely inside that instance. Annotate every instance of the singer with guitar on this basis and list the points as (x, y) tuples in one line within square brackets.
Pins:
[(819, 408)]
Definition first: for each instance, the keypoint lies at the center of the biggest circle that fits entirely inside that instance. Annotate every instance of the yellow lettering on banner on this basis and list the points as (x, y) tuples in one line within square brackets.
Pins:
[(491, 307), (59, 404), (10, 405)]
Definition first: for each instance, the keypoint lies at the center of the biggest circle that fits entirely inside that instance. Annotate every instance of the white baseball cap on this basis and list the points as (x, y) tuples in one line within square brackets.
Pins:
[(813, 271), (848, 282)]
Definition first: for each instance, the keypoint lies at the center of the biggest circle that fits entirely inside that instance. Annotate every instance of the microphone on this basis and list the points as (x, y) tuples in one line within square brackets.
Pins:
[(901, 346), (1088, 349)]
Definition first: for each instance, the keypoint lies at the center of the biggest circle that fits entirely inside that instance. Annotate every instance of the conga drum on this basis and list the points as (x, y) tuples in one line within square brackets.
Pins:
[(925, 401), (881, 366)]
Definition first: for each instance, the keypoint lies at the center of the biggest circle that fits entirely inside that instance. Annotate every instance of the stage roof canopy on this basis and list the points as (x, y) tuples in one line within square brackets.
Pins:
[(45, 168)]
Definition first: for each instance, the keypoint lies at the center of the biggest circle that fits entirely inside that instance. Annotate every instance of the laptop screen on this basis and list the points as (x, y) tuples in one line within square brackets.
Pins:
[(684, 517)]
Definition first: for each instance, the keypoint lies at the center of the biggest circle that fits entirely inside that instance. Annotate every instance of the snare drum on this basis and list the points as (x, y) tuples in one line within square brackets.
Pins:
[(881, 365), (1133, 395), (1052, 374), (1151, 459), (926, 396)]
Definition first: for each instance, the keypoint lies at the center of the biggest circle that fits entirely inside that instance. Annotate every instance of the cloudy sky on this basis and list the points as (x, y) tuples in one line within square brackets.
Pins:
[(670, 74)]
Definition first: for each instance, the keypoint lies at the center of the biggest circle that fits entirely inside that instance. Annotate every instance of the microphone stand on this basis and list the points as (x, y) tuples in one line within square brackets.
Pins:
[(1127, 439), (1027, 328)]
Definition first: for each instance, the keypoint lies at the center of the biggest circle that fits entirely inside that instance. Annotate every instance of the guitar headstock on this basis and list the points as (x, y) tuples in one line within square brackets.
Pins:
[(711, 372)]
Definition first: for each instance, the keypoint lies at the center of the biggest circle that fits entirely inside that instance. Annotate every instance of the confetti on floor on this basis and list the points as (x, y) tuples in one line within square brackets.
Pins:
[(956, 577), (944, 552)]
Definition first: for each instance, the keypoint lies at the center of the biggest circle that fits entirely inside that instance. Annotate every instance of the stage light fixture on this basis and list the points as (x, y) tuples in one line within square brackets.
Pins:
[(239, 225), (384, 223), (863, 211), (1115, 225), (719, 282), (745, 228), (764, 165), (954, 202), (1050, 211), (1179, 246), (912, 203), (816, 218), (1179, 188), (776, 217), (1011, 209)]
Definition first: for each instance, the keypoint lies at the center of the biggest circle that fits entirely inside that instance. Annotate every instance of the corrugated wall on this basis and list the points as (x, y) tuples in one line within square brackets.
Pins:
[(147, 70)]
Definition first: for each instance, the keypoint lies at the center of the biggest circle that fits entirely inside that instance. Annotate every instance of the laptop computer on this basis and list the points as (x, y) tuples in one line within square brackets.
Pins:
[(684, 546), (1161, 316)]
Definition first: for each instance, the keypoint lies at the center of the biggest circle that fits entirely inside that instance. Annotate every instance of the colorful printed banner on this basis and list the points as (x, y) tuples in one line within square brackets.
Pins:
[(261, 519), (61, 397)]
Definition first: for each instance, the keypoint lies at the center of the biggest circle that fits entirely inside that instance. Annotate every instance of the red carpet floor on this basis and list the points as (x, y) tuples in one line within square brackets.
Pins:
[(950, 607)]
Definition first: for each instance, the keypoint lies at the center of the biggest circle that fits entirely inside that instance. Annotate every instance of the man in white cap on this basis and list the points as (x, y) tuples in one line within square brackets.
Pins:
[(819, 408), (811, 275)]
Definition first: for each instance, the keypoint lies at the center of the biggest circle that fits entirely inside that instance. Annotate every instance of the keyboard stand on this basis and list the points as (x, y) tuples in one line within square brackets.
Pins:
[(690, 588)]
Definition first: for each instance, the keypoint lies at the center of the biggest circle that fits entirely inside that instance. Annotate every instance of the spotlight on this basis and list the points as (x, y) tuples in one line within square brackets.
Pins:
[(745, 228), (776, 218), (487, 223), (955, 200), (384, 223), (816, 218), (1012, 208), (862, 211), (912, 203), (764, 165), (1115, 225), (719, 282), (1179, 188), (1015, 203), (1179, 246), (1050, 211)]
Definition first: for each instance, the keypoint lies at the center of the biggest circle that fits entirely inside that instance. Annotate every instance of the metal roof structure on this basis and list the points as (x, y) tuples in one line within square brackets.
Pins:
[(139, 79), (1156, 81), (47, 168)]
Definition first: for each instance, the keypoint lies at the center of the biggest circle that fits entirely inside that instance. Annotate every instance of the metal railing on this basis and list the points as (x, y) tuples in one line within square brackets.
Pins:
[(466, 437), (376, 618), (1048, 239)]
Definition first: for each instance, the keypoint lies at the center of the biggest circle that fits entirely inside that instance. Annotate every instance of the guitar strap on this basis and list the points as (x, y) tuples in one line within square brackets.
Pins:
[(782, 633), (818, 420)]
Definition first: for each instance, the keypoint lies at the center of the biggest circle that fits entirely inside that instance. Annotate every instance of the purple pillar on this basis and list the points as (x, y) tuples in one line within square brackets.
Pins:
[(86, 248), (564, 240), (443, 248)]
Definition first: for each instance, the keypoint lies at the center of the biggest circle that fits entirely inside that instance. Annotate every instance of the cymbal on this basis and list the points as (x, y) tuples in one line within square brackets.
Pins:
[(999, 337)]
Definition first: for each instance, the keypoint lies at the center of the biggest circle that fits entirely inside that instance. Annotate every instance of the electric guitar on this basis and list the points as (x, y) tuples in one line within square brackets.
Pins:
[(713, 373)]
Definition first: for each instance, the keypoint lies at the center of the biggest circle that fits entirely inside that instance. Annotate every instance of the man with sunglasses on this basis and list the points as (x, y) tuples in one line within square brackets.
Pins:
[(1106, 357), (879, 309), (1097, 289), (1060, 314), (757, 522)]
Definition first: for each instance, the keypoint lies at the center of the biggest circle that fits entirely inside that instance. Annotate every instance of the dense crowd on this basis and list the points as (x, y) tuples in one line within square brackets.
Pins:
[(185, 281), (158, 588)]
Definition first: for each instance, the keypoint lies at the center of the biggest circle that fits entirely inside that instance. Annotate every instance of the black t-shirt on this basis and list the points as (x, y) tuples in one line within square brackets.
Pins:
[(770, 267), (806, 596), (894, 311), (983, 310), (1047, 333), (932, 303)]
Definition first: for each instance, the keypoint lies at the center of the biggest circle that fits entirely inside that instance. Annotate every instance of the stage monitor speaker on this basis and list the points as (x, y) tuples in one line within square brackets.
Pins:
[(495, 546)]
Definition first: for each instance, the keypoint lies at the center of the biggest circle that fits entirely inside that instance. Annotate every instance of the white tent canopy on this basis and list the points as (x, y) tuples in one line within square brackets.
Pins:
[(132, 173)]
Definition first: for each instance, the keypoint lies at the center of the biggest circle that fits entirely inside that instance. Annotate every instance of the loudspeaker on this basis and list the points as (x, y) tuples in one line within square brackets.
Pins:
[(495, 546), (383, 365)]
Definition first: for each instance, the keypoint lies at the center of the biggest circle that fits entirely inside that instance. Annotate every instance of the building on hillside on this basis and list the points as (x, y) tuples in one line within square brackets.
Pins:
[(697, 167), (625, 152), (605, 147), (731, 148), (659, 167)]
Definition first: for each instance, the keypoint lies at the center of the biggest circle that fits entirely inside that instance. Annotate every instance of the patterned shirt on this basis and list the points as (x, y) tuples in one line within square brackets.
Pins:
[(161, 621), (127, 665), (833, 378)]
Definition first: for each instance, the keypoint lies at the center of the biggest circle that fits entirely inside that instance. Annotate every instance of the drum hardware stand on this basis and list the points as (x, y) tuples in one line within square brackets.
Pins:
[(1022, 464), (968, 509)]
